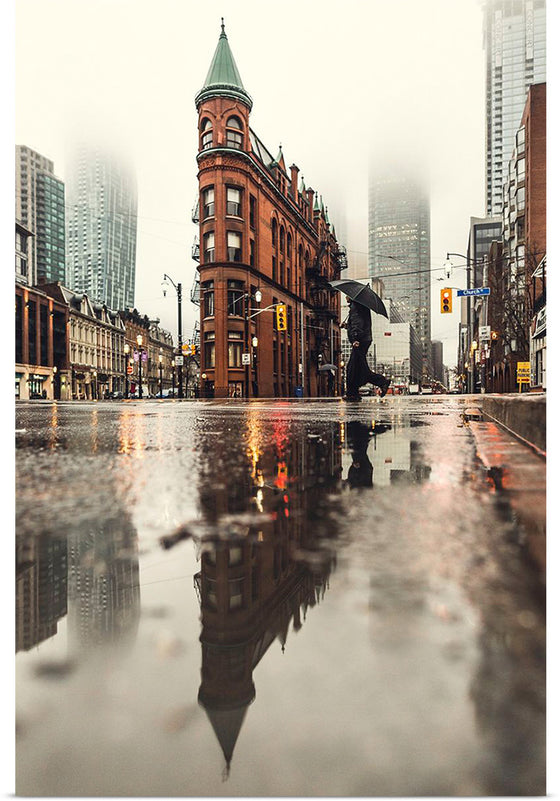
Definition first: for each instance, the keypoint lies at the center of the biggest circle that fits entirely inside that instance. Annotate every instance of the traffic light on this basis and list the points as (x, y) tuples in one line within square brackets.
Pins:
[(446, 301), (193, 350), (281, 322), (494, 335)]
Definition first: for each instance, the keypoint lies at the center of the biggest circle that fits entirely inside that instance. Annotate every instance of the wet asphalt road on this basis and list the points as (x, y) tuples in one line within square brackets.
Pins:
[(270, 599)]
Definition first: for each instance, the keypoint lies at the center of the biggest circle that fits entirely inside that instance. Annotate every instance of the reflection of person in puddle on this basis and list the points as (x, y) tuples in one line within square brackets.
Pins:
[(360, 472)]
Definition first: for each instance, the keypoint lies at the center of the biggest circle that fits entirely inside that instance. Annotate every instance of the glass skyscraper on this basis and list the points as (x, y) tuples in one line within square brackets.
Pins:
[(515, 45), (101, 228), (399, 248), (40, 208)]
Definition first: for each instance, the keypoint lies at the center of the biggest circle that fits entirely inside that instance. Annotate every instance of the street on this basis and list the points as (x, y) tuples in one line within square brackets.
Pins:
[(273, 598)]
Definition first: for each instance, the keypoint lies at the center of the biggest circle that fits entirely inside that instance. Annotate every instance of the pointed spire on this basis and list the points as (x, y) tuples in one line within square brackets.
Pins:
[(316, 203), (327, 215), (223, 78), (302, 185)]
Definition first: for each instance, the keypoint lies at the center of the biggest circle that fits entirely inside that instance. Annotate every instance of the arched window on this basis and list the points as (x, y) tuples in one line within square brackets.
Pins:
[(274, 232), (289, 246), (206, 131), (282, 239), (234, 133)]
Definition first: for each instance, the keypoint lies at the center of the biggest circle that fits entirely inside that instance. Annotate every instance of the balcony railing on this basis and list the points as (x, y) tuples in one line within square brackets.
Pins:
[(196, 212), (195, 252)]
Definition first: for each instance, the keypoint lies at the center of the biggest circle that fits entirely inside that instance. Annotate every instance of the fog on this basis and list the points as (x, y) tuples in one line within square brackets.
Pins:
[(335, 83)]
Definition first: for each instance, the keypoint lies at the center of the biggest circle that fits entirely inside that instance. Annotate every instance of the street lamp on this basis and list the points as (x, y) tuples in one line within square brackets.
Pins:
[(126, 352), (95, 384), (448, 267), (257, 298), (160, 359), (139, 341), (179, 290), (173, 376)]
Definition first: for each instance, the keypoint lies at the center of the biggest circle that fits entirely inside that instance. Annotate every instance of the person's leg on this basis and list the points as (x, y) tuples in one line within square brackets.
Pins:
[(352, 376)]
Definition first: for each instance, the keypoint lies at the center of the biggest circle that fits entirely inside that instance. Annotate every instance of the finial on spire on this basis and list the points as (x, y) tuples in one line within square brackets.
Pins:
[(223, 28)]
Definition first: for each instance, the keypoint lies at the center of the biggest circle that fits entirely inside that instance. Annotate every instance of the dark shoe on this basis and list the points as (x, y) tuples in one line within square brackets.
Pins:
[(385, 387), (352, 398)]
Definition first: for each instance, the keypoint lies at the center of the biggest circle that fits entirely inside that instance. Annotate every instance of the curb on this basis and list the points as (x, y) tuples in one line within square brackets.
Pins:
[(524, 416)]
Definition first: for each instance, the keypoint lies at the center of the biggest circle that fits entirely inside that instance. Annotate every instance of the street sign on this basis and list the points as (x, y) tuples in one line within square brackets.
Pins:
[(179, 360), (130, 369), (479, 290), (484, 332), (245, 358), (523, 372)]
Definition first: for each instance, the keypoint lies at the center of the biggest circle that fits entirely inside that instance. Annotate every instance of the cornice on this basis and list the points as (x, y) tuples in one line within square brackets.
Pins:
[(248, 157)]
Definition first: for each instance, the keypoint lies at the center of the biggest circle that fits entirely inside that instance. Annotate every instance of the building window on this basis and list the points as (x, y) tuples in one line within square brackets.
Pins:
[(210, 349), (274, 271), (235, 593), (233, 246), (282, 239), (235, 348), (233, 201), (206, 139), (236, 296), (252, 252), (208, 202), (252, 211), (274, 233), (289, 246), (234, 133), (208, 298), (209, 249)]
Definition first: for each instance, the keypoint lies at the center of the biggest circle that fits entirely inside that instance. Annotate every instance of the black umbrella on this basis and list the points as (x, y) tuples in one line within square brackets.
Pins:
[(361, 293), (324, 367)]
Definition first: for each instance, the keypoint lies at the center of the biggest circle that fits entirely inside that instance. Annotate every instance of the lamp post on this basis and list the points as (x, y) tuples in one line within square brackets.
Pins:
[(160, 359), (248, 315), (448, 266), (95, 384), (203, 376), (179, 290), (255, 344), (173, 376), (126, 352), (139, 341)]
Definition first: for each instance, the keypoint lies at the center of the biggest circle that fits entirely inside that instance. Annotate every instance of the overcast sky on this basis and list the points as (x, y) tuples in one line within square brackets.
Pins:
[(333, 82)]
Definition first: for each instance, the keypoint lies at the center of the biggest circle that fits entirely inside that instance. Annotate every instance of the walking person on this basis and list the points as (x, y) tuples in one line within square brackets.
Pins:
[(358, 372)]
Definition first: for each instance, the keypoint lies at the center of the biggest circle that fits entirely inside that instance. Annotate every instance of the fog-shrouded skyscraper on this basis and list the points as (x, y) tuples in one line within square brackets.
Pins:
[(515, 45), (40, 208), (399, 247), (101, 227)]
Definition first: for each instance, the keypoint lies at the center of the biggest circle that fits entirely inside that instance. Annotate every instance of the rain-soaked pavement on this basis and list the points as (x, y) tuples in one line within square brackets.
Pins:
[(298, 598)]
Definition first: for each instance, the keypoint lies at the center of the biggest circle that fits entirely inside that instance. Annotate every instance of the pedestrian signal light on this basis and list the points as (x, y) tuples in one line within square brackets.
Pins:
[(446, 301), (494, 335), (281, 322)]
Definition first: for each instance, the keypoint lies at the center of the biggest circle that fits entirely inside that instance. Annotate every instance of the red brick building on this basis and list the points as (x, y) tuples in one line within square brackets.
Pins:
[(517, 269), (264, 240)]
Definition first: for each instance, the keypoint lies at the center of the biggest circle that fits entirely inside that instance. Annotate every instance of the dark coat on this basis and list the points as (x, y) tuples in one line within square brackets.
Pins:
[(359, 324)]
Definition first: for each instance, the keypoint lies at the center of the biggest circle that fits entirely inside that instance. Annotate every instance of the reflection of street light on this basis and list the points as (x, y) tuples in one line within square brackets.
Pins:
[(139, 341), (160, 359), (178, 289), (126, 352)]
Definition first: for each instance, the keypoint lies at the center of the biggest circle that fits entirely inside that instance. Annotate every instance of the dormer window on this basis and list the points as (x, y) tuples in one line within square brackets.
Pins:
[(206, 138), (234, 133)]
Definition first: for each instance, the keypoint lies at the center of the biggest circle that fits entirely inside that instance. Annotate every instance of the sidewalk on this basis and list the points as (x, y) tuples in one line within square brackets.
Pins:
[(523, 415)]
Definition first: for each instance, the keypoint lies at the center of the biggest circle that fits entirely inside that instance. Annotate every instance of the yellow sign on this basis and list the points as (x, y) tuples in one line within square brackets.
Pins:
[(523, 372)]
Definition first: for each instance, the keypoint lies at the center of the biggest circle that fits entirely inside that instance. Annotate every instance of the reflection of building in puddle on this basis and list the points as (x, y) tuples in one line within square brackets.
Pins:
[(388, 448), (103, 584), (265, 560), (40, 588)]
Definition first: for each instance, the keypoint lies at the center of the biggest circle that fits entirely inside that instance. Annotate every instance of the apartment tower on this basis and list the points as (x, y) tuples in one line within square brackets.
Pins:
[(399, 248), (40, 209), (101, 228), (515, 45)]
